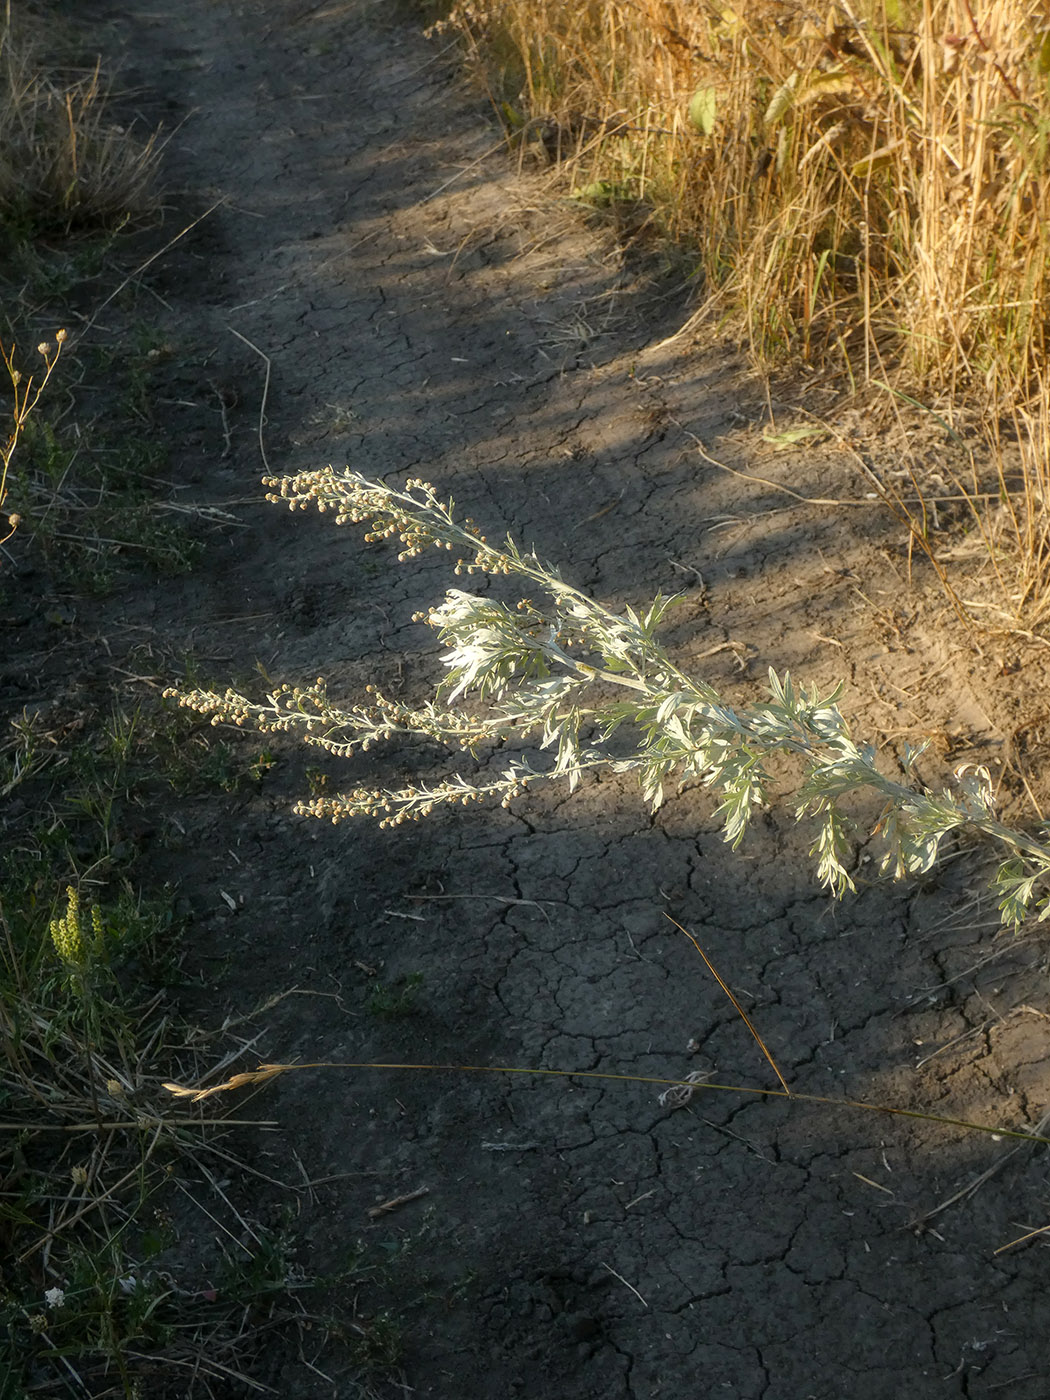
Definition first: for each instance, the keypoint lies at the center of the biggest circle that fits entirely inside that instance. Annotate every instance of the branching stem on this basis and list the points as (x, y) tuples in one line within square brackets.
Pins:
[(533, 666)]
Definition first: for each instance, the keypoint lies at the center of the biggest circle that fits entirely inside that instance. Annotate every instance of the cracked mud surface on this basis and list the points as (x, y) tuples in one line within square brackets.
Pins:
[(429, 310)]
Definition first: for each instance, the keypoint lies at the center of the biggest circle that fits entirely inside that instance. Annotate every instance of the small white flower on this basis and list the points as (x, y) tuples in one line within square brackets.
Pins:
[(54, 1297), (129, 1284)]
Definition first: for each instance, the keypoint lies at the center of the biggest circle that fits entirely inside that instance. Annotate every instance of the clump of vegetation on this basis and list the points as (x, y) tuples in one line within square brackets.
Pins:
[(85, 1020), (867, 181), (96, 1295), (865, 187), (65, 165), (390, 1002), (554, 672), (85, 1136)]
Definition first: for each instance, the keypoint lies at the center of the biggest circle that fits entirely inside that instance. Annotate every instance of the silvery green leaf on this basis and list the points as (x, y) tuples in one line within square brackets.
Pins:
[(976, 784), (782, 690), (832, 847), (911, 754)]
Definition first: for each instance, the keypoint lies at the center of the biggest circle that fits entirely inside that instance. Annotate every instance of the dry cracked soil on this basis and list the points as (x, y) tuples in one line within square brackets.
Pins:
[(380, 285)]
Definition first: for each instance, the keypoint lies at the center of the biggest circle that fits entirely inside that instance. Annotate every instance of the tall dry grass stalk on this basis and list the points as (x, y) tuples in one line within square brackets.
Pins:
[(868, 179), (1007, 490)]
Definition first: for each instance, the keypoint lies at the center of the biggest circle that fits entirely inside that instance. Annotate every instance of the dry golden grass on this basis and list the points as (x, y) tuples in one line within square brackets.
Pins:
[(870, 178), (64, 163), (864, 186), (1007, 491)]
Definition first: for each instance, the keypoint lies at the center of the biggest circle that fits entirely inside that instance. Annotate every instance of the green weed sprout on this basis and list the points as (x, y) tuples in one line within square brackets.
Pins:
[(569, 674), (79, 940)]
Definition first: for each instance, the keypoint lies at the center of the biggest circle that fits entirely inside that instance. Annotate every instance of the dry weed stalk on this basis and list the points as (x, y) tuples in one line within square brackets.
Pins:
[(675, 1092), (1014, 530), (25, 397)]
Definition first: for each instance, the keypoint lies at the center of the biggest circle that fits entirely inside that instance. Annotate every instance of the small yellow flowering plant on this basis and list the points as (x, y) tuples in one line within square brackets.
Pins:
[(77, 939), (549, 672)]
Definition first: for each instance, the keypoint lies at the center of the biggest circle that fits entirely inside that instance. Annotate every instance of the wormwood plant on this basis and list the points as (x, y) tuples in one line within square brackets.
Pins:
[(571, 674)]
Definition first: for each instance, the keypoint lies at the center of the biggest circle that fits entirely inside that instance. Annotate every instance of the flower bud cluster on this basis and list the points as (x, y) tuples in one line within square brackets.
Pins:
[(394, 808), (73, 941), (416, 516)]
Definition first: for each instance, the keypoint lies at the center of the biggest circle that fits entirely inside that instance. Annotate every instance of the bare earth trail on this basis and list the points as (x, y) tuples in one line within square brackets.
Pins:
[(428, 311)]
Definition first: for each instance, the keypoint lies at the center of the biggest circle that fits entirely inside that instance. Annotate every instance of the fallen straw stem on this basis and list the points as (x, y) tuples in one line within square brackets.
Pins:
[(270, 1071)]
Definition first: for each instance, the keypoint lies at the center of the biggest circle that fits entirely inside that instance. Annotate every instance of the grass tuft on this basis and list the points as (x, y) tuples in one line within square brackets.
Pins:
[(64, 164)]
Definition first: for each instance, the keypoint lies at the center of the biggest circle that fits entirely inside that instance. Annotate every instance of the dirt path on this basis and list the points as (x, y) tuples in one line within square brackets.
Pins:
[(427, 311)]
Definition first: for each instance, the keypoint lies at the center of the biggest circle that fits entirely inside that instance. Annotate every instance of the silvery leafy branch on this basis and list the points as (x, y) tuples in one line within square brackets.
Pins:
[(559, 671)]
